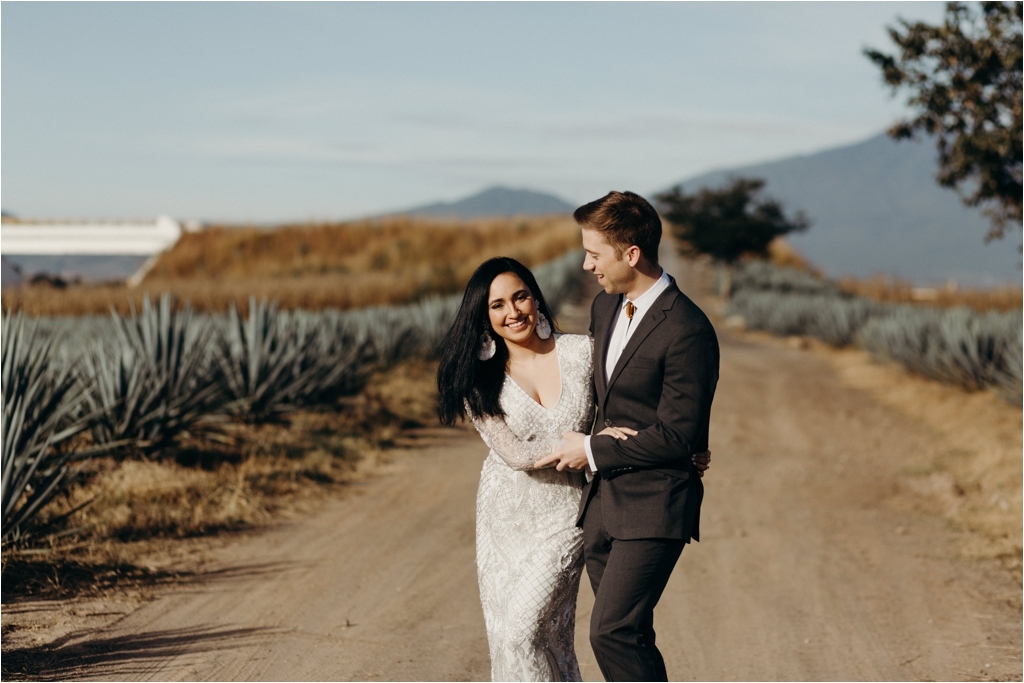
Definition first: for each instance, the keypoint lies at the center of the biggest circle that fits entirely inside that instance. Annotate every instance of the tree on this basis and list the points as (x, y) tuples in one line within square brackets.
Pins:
[(727, 223), (964, 79)]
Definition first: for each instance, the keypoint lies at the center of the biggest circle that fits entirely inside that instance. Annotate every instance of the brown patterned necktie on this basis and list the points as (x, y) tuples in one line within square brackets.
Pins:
[(630, 309)]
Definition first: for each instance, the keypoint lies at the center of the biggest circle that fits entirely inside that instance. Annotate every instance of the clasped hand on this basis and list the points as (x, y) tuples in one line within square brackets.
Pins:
[(572, 454)]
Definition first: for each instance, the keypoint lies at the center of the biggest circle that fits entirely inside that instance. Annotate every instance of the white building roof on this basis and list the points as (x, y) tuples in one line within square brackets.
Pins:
[(89, 238)]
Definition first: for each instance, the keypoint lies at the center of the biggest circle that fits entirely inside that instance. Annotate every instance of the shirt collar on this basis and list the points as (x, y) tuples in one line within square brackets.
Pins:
[(644, 301)]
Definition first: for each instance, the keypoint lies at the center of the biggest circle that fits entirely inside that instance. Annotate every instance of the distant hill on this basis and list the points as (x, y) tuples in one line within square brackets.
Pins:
[(496, 201), (876, 208)]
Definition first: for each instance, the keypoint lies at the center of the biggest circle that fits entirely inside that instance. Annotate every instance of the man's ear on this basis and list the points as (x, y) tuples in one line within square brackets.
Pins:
[(633, 255)]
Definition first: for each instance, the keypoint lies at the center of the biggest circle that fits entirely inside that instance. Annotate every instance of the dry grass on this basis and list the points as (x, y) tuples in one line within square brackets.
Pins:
[(131, 509), (886, 288), (782, 254), (337, 265), (974, 478)]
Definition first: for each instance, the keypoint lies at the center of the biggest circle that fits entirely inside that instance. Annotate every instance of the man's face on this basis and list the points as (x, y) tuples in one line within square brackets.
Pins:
[(607, 262)]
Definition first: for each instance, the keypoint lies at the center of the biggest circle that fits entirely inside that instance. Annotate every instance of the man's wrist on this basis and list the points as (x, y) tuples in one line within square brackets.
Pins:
[(590, 453)]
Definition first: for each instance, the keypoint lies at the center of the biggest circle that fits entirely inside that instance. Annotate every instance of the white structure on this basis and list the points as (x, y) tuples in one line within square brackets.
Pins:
[(94, 239), (89, 238)]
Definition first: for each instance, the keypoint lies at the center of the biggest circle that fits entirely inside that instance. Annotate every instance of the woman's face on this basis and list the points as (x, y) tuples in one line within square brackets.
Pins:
[(512, 309)]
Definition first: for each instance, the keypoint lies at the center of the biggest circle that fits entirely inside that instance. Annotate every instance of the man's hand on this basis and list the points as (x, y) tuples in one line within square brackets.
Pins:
[(570, 455), (702, 461)]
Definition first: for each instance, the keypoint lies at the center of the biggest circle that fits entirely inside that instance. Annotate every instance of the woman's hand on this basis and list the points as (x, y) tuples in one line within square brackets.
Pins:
[(702, 461), (618, 432)]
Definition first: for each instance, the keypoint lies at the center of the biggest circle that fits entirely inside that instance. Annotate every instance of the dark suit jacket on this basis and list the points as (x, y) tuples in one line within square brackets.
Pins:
[(662, 386)]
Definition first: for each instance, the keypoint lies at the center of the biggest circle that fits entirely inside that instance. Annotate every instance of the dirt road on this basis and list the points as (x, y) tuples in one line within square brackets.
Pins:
[(806, 570)]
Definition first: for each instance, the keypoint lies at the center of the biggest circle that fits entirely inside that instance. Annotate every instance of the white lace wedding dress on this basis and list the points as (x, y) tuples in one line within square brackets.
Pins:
[(528, 549)]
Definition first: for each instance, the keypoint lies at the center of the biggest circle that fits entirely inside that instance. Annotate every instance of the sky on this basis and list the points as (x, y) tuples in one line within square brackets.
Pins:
[(266, 112)]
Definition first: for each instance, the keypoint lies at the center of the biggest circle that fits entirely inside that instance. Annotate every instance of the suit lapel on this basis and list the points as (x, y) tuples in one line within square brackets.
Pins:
[(602, 337), (654, 316)]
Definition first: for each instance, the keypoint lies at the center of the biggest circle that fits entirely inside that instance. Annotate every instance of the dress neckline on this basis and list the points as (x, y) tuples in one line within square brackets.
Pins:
[(561, 382)]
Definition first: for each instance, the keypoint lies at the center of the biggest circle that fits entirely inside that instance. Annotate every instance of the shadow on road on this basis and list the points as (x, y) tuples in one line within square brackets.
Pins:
[(126, 656), (41, 581), (88, 654)]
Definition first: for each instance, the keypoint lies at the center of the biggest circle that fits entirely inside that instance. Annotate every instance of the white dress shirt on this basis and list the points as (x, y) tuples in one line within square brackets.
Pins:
[(622, 329)]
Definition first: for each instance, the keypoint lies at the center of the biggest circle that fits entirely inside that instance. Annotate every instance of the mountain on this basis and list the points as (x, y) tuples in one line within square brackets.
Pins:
[(496, 201), (875, 208)]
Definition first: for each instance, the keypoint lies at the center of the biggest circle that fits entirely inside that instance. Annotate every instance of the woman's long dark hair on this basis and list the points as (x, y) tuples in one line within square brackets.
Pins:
[(462, 377)]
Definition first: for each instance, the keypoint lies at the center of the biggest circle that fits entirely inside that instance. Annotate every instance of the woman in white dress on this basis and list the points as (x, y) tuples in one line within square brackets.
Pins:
[(523, 387)]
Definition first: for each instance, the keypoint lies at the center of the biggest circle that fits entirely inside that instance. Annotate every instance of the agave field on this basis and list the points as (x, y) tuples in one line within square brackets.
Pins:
[(136, 383), (975, 350)]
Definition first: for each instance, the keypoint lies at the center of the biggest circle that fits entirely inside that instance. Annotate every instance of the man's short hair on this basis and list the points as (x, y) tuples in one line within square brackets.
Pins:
[(625, 219)]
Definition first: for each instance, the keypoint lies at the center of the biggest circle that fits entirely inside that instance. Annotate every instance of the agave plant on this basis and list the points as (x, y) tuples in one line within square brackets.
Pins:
[(974, 350), (388, 331), (151, 380), (762, 276), (833, 319), (257, 358), (41, 401), (1009, 368), (960, 346), (340, 361), (430, 320), (272, 362), (398, 332), (562, 278), (74, 335)]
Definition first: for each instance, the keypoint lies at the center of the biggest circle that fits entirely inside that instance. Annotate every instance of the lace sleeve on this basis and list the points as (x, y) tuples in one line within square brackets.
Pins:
[(519, 454)]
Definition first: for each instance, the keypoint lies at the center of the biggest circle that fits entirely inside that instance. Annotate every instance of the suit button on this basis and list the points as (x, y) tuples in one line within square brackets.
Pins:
[(607, 423)]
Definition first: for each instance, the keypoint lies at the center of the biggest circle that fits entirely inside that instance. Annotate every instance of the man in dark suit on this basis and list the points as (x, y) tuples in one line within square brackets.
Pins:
[(655, 371)]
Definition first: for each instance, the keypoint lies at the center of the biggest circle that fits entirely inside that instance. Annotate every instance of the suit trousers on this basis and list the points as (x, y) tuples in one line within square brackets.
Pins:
[(628, 578)]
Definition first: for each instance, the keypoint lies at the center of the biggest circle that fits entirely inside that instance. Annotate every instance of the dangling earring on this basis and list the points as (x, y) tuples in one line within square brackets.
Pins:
[(487, 347), (543, 326)]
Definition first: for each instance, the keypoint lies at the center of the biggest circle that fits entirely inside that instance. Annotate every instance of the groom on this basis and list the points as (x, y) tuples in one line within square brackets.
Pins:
[(655, 371)]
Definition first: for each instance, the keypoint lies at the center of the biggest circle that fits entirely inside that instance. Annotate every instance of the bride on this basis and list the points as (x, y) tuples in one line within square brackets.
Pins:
[(523, 387)]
